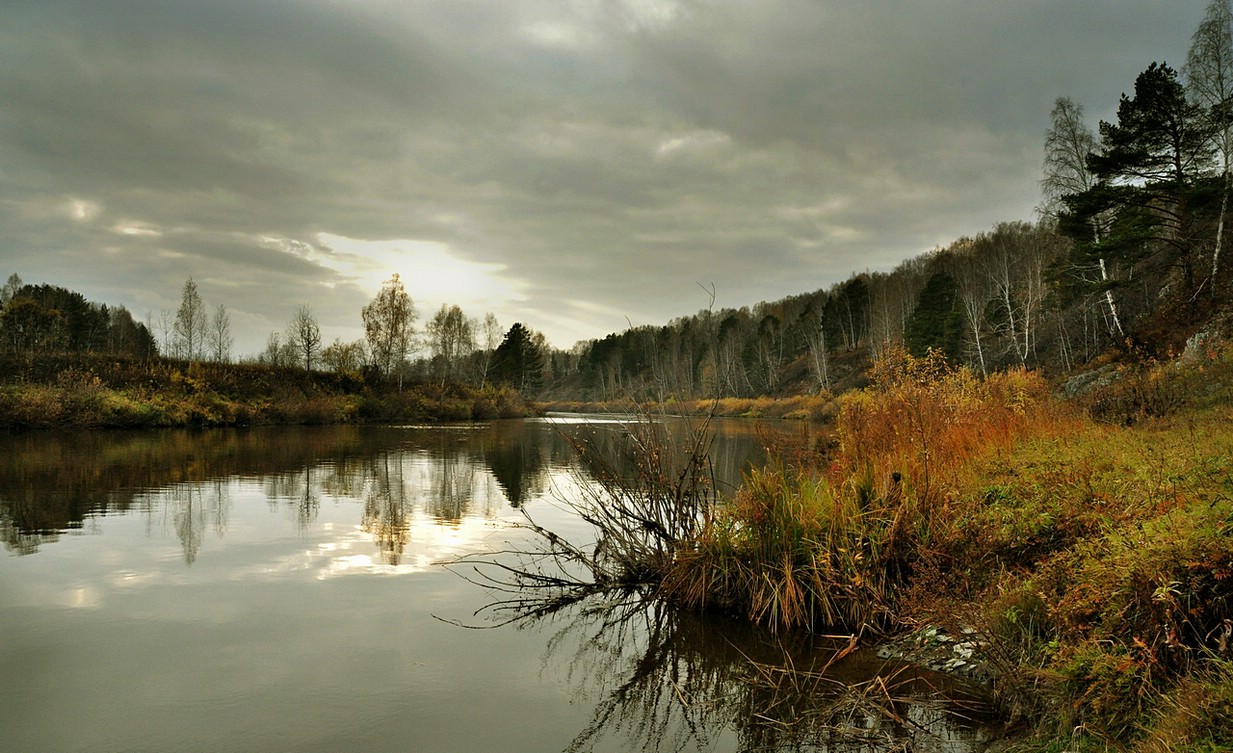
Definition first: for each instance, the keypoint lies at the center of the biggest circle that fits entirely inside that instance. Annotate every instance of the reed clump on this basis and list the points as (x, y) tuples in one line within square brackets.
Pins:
[(836, 545), (792, 551)]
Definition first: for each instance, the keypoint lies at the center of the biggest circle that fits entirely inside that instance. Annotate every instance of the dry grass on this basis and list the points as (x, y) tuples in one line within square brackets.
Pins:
[(814, 407), (928, 421), (837, 547), (169, 393), (789, 552)]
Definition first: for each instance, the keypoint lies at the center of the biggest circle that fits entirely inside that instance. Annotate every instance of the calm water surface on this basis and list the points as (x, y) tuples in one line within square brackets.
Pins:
[(282, 589)]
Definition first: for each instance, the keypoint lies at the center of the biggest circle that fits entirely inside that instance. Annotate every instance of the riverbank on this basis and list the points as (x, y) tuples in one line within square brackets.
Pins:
[(118, 393), (1081, 549)]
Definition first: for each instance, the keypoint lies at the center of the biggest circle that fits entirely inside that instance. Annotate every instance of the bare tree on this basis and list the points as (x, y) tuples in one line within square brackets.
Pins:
[(220, 339), (819, 354), (279, 352), (163, 329), (10, 289), (1209, 81), (451, 339), (892, 299), (1068, 143), (305, 336), (389, 321), (191, 324), (272, 346), (490, 334), (975, 290), (1013, 259)]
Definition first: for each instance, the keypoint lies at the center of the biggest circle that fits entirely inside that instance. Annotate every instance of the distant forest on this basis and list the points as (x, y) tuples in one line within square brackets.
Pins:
[(1125, 256)]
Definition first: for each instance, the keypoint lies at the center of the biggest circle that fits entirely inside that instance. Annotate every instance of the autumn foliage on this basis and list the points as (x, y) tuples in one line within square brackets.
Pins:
[(836, 546)]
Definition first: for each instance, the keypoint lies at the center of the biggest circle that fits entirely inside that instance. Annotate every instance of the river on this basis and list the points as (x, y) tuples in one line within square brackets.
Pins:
[(291, 589)]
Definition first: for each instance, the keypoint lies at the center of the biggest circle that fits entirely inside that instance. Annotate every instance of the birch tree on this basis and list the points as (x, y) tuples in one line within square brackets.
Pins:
[(191, 323), (10, 289), (451, 339), (219, 336), (1209, 82), (389, 321), (819, 353), (975, 290), (1069, 143), (489, 334)]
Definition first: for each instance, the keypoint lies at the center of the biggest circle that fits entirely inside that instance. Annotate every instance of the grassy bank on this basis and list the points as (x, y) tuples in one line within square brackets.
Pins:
[(109, 392), (1087, 545)]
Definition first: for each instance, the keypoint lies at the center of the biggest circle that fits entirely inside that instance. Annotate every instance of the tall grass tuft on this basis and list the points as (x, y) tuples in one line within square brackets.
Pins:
[(792, 551), (836, 546)]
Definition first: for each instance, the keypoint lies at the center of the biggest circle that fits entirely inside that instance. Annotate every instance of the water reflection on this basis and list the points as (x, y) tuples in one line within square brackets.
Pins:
[(206, 567), (663, 679), (386, 511), (53, 483), (194, 508)]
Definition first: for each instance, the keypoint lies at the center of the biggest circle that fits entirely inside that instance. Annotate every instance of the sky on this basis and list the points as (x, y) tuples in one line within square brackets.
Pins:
[(576, 165)]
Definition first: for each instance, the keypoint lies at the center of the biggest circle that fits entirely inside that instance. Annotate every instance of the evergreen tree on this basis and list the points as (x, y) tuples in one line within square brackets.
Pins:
[(1148, 171), (937, 322), (518, 361)]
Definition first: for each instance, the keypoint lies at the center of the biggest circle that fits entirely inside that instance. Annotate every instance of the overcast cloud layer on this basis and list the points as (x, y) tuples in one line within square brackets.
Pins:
[(575, 165)]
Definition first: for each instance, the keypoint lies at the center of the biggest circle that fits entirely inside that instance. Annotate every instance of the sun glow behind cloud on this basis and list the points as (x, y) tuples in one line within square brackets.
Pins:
[(431, 271), (83, 210)]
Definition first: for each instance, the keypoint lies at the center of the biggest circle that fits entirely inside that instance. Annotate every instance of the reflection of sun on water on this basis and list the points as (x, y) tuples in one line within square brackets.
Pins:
[(403, 512), (82, 597), (421, 545)]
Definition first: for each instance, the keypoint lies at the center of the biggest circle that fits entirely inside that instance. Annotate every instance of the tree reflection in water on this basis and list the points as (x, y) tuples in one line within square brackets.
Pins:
[(299, 490), (659, 679), (664, 679), (192, 508), (387, 514)]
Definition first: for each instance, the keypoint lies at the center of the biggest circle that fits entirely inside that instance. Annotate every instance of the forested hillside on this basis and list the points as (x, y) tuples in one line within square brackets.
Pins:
[(1125, 255)]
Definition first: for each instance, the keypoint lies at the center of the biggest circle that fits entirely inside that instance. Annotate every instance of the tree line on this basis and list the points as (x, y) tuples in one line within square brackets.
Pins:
[(45, 320), (453, 348)]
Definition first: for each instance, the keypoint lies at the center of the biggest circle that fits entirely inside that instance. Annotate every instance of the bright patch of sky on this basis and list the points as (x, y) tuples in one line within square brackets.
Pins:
[(431, 272)]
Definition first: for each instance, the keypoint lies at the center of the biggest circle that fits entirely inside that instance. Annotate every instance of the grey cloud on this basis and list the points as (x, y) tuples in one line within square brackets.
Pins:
[(608, 152)]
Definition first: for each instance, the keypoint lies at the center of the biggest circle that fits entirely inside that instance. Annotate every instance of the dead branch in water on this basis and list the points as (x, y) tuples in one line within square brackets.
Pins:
[(644, 492)]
